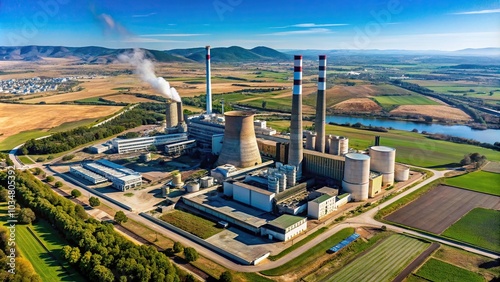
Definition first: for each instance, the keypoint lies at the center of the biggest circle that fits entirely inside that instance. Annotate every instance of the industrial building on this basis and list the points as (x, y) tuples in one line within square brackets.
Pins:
[(323, 164), (86, 174), (143, 143), (321, 206), (179, 148), (284, 227), (121, 177), (100, 148), (256, 197)]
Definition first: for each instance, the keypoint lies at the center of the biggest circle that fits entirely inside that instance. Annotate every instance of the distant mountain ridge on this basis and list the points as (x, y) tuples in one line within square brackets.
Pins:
[(102, 55)]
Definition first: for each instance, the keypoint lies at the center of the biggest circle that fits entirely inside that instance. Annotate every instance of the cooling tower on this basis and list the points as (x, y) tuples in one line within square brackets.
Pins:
[(240, 146), (209, 83), (357, 176), (383, 160), (321, 106), (295, 151), (171, 114)]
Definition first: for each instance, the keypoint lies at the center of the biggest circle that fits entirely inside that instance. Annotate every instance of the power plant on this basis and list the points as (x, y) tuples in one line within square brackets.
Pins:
[(295, 150)]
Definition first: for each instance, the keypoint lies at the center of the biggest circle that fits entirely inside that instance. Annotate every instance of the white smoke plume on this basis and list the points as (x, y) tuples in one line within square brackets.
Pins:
[(144, 68)]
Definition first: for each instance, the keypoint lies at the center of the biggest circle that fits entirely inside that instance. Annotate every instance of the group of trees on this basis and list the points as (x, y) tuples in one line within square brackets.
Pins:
[(23, 269), (474, 158), (67, 140), (94, 247)]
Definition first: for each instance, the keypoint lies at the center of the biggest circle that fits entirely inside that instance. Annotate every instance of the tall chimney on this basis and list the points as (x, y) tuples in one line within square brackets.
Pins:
[(321, 105), (180, 112), (171, 114), (296, 149), (209, 83)]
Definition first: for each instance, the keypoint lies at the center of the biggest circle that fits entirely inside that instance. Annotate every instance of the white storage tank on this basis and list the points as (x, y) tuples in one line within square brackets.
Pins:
[(328, 140), (207, 181), (192, 186), (311, 140), (383, 160), (357, 176), (291, 175), (177, 181), (272, 183), (339, 145), (402, 173), (282, 182)]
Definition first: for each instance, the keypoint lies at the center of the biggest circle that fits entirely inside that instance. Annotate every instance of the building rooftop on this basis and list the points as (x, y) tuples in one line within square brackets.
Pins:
[(343, 196), (325, 155), (322, 199), (328, 190), (254, 188), (382, 148), (357, 156), (285, 221)]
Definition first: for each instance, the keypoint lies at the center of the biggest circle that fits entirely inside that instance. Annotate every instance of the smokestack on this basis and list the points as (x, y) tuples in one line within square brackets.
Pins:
[(180, 112), (240, 146), (296, 149), (171, 114), (209, 83), (321, 105)]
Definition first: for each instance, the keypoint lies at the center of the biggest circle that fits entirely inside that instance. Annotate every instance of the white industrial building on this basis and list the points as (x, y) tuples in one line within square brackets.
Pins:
[(100, 148), (121, 177), (179, 147), (142, 143), (284, 227), (250, 195), (321, 206), (86, 174)]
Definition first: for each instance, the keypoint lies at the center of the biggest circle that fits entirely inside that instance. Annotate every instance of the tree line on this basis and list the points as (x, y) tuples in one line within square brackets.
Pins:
[(67, 140), (95, 249)]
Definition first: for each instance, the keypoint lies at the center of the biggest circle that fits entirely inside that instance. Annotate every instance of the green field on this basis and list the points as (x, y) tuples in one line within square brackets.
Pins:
[(411, 148), (436, 270), (191, 223), (383, 262), (25, 160), (478, 227), (386, 101), (299, 244), (481, 181), (311, 254), (49, 267)]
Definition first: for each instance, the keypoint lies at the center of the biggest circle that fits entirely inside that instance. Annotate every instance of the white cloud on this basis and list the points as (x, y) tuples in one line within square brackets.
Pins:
[(172, 34), (149, 40), (491, 11), (143, 15), (312, 25), (302, 32)]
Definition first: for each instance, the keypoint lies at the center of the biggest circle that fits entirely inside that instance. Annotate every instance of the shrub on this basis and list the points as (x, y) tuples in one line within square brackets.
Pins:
[(40, 159), (76, 193), (120, 217), (178, 247), (68, 157), (58, 184), (94, 201), (226, 276), (49, 178), (190, 254)]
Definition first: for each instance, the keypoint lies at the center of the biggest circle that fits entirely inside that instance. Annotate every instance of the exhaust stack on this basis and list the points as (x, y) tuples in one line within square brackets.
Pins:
[(296, 149), (209, 83), (321, 105)]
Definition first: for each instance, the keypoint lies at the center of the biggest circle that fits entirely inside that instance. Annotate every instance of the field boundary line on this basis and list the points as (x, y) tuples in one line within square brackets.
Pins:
[(416, 262)]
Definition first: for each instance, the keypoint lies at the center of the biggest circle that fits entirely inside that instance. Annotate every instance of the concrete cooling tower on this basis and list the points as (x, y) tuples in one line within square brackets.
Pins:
[(357, 176), (171, 114), (240, 146)]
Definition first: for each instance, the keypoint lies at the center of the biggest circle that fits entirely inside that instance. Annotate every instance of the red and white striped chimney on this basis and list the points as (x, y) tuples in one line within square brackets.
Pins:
[(321, 106), (295, 152), (209, 82)]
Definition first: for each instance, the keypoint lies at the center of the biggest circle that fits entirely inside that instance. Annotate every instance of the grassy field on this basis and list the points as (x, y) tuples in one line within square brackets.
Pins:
[(383, 262), (25, 160), (191, 223), (481, 181), (311, 254), (390, 101), (411, 148), (436, 270), (299, 244), (478, 227)]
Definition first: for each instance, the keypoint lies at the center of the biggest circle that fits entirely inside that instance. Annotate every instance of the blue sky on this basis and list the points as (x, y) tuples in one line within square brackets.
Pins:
[(281, 24)]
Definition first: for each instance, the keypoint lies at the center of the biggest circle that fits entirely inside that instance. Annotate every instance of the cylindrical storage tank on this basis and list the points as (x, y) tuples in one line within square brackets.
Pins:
[(343, 145), (282, 181), (240, 145), (272, 184), (177, 180), (335, 145), (207, 181), (402, 173), (327, 143), (357, 176), (311, 140), (291, 175), (192, 186), (171, 114), (383, 160)]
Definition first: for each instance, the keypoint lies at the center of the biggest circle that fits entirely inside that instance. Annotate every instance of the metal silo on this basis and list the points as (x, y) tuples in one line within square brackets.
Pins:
[(272, 183), (402, 173), (311, 140), (383, 160), (357, 176)]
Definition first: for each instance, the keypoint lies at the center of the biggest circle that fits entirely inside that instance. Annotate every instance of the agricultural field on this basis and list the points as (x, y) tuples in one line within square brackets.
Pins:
[(388, 101), (358, 105), (480, 181), (191, 223), (479, 227), (412, 148), (34, 119), (383, 262), (442, 206), (26, 160), (441, 112), (492, 167), (437, 270)]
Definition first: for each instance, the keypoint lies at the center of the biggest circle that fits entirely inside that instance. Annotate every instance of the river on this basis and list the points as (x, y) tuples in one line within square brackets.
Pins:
[(487, 136)]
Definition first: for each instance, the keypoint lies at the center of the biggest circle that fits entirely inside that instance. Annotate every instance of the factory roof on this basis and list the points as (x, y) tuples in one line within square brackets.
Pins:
[(322, 199), (325, 155), (374, 174), (253, 188), (382, 148), (328, 190), (357, 156), (285, 221), (343, 196)]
